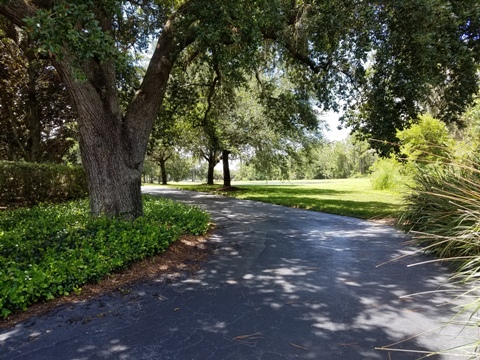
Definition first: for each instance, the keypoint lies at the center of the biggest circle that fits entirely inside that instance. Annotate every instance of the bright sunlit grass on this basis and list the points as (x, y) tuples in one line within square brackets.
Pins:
[(351, 197)]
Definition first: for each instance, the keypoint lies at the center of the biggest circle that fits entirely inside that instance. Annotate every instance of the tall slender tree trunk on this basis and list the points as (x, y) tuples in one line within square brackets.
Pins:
[(163, 171), (226, 169), (211, 170), (212, 160), (33, 113)]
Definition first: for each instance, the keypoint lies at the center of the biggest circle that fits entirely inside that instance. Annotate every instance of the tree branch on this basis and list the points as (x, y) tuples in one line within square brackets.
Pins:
[(211, 92), (302, 58), (142, 110), (17, 10), (294, 20)]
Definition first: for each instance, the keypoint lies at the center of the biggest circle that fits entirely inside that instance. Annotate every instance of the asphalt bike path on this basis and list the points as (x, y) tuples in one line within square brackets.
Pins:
[(282, 283)]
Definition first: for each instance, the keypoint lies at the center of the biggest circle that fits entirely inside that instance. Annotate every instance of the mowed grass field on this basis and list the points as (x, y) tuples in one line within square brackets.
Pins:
[(351, 197)]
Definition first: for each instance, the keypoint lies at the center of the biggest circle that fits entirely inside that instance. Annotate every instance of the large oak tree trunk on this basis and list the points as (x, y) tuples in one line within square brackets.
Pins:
[(114, 178), (114, 187), (113, 145), (113, 181)]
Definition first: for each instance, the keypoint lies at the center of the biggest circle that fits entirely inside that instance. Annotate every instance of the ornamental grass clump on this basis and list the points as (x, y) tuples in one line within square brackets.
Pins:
[(443, 216), (443, 211)]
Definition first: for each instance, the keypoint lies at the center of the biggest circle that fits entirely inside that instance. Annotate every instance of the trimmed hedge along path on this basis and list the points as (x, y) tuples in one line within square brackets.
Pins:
[(24, 183)]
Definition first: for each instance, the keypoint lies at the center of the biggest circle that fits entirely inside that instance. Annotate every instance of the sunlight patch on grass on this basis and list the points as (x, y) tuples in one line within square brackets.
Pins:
[(351, 197)]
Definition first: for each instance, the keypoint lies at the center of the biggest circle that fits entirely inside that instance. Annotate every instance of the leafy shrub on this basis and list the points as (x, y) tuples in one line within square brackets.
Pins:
[(423, 145), (31, 183), (388, 173), (52, 250), (427, 141)]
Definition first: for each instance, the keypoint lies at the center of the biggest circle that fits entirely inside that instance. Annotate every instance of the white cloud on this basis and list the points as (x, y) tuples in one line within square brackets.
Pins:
[(332, 121)]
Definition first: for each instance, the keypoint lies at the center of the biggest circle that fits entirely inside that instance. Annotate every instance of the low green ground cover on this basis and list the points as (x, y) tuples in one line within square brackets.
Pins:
[(52, 250), (351, 197)]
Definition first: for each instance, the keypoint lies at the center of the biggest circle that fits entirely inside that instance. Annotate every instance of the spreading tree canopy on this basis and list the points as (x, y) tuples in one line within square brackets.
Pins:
[(324, 46), (424, 58)]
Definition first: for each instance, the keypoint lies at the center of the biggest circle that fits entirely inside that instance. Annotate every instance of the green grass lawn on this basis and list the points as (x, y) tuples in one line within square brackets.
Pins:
[(352, 197)]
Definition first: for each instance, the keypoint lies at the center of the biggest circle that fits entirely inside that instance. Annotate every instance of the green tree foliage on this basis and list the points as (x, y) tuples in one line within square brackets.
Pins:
[(425, 145), (343, 159), (424, 55), (277, 125), (471, 132), (222, 116), (180, 167), (388, 173), (315, 159), (161, 147), (36, 115), (188, 116)]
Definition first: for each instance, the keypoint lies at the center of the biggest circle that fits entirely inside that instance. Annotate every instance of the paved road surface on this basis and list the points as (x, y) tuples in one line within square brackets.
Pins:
[(283, 284)]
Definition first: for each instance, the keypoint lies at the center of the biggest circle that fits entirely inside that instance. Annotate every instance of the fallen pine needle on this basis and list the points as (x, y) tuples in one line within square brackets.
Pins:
[(298, 346), (248, 337)]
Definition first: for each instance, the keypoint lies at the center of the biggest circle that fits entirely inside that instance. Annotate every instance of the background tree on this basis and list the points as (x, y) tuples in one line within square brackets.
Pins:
[(165, 139), (180, 166), (315, 158), (470, 136), (36, 115)]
